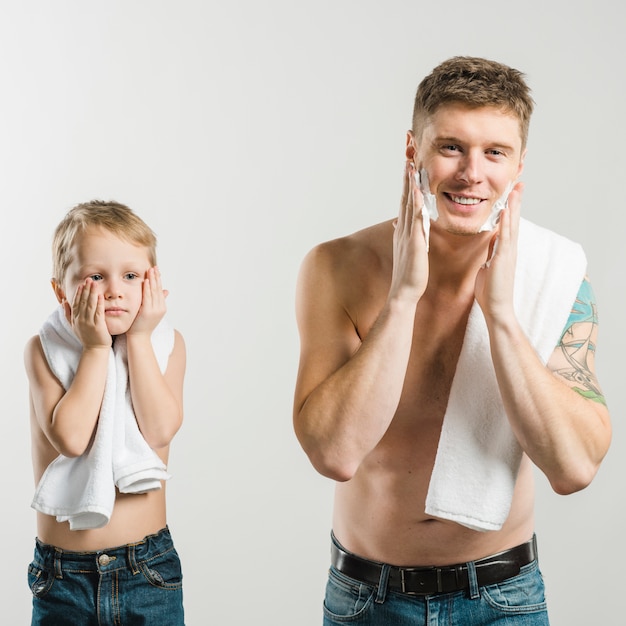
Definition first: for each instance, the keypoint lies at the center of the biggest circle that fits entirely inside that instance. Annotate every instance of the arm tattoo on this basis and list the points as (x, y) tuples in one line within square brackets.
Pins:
[(577, 346)]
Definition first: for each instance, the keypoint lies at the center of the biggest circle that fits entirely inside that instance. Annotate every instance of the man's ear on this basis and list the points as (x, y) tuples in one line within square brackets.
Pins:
[(58, 290), (411, 148)]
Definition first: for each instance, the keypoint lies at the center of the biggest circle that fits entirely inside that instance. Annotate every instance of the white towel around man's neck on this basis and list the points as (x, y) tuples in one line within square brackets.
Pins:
[(478, 456), (81, 490)]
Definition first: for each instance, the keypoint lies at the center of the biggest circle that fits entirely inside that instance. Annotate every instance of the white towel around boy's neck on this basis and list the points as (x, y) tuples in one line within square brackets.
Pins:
[(478, 456), (81, 490)]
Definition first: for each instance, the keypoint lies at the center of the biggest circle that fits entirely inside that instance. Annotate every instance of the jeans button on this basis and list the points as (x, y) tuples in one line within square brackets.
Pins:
[(104, 560)]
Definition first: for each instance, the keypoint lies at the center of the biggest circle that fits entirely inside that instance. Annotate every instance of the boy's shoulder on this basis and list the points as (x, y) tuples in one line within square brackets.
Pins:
[(34, 356)]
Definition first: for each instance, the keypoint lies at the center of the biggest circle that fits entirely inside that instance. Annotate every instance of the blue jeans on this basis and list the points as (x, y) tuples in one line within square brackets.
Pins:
[(140, 583), (519, 600)]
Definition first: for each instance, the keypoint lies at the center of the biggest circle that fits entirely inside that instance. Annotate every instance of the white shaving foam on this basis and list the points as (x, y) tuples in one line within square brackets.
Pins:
[(430, 212), (497, 208)]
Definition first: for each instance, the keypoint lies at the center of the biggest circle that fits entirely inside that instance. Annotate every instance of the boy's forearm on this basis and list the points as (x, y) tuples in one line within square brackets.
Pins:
[(157, 408), (76, 414)]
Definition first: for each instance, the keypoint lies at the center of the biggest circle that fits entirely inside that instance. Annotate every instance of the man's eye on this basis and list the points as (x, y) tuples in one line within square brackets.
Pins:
[(450, 147)]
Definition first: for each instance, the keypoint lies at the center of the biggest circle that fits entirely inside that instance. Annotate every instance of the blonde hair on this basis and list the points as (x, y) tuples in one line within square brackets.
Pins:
[(475, 82), (112, 216)]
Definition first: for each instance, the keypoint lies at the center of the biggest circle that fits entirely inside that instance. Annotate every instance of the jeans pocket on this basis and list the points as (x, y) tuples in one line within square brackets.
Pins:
[(164, 570), (39, 580), (524, 593), (347, 600)]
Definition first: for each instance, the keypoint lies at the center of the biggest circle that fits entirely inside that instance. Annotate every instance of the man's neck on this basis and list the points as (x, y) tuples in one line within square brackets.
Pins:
[(455, 259)]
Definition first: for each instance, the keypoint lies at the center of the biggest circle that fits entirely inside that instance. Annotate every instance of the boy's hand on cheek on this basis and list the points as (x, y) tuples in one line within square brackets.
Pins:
[(153, 305), (87, 316)]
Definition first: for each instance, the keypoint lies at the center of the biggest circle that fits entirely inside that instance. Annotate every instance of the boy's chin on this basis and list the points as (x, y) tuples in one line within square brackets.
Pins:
[(115, 330)]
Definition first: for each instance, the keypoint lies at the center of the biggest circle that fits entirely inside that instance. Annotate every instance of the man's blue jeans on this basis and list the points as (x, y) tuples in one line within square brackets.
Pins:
[(519, 600), (140, 583)]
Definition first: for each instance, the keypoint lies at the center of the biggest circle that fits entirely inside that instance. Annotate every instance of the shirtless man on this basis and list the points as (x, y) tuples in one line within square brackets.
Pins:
[(104, 555), (382, 316)]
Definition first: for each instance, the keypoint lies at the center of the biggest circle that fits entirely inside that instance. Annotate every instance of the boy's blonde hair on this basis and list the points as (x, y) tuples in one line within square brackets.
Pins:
[(475, 82), (112, 216)]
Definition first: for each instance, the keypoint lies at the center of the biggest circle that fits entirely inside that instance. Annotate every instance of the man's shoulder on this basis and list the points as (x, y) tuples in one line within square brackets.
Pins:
[(367, 244), (350, 265)]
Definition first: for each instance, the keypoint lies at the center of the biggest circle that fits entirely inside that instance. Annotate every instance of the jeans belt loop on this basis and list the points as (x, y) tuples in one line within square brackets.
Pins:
[(474, 591), (58, 566), (381, 592), (132, 559)]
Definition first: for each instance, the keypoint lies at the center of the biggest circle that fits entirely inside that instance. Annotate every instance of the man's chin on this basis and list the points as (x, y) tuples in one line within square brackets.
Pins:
[(464, 233), (463, 230)]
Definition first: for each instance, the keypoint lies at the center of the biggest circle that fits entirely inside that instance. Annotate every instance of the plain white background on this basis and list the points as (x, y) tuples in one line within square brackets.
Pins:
[(244, 133)]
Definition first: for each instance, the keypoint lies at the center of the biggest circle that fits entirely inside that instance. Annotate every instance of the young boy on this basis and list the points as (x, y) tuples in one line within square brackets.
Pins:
[(106, 386)]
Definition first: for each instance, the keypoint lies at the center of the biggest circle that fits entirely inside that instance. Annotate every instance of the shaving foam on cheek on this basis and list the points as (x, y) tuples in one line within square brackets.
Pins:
[(429, 210), (492, 220), (497, 208)]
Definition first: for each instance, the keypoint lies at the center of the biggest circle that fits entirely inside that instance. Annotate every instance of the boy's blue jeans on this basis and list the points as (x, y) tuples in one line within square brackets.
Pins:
[(519, 600), (140, 583)]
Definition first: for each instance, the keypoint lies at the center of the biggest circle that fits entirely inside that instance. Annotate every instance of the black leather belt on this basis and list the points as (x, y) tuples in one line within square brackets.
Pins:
[(430, 580)]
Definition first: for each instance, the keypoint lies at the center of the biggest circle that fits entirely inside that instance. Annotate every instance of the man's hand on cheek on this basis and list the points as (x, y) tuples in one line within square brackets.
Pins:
[(495, 280)]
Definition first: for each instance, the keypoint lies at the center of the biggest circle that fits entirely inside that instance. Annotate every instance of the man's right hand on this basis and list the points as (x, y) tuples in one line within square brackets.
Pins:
[(410, 255)]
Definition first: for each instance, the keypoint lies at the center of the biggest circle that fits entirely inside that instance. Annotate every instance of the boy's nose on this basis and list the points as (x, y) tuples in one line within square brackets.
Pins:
[(112, 291)]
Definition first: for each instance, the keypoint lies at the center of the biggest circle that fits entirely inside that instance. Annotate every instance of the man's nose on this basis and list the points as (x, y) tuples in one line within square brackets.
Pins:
[(470, 169)]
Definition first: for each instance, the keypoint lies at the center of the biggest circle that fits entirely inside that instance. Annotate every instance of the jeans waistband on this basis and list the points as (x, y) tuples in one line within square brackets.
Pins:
[(430, 580), (105, 560)]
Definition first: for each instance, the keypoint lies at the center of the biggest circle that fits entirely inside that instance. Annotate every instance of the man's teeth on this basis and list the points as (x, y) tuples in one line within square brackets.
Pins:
[(462, 200)]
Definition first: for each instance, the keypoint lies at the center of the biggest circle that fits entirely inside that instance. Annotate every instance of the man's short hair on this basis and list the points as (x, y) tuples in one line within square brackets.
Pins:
[(112, 216), (474, 82)]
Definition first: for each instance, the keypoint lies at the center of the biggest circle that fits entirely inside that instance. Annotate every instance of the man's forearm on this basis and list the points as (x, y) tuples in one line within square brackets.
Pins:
[(564, 434), (345, 416)]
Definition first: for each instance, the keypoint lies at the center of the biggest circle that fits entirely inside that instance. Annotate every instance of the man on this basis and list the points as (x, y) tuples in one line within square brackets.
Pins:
[(442, 354)]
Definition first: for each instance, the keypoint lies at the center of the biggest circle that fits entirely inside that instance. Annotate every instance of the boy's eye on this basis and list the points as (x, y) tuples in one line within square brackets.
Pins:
[(96, 277), (131, 276)]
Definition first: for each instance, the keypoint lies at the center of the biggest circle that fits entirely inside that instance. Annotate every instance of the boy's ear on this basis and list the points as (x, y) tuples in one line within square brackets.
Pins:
[(58, 290)]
